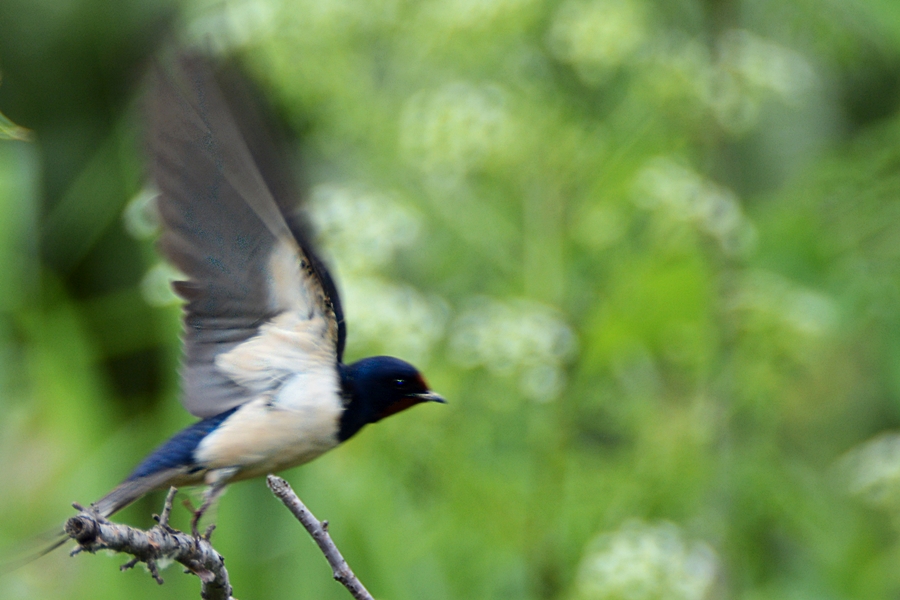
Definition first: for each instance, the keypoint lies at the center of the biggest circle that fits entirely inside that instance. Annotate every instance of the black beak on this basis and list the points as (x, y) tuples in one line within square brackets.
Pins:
[(429, 397)]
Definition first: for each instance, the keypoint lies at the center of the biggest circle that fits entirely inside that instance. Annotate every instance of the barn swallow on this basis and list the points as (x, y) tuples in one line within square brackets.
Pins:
[(264, 330)]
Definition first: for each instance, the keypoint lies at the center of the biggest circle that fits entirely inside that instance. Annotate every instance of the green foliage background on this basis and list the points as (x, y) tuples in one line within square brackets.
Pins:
[(650, 251)]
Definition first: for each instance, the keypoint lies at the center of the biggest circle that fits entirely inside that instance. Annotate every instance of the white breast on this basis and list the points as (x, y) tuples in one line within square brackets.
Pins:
[(293, 426)]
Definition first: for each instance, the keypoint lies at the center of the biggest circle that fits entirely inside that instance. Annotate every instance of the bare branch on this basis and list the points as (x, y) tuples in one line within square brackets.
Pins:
[(319, 532), (93, 532)]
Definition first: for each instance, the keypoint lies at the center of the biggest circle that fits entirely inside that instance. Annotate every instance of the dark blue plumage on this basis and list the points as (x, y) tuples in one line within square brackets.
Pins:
[(178, 451)]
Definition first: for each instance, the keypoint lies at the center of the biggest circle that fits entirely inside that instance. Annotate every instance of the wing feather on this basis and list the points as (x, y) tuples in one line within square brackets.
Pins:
[(227, 210)]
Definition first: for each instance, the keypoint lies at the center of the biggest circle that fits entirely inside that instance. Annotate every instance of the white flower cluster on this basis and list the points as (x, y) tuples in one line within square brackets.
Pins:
[(156, 285), (800, 309), (643, 561), (682, 194), (746, 71), (140, 217), (515, 337), (749, 68), (452, 130), (141, 220), (233, 24), (362, 232), (393, 319), (597, 36), (872, 471)]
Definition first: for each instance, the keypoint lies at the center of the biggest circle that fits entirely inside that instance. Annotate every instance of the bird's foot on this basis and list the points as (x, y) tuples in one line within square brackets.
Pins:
[(195, 520), (197, 514)]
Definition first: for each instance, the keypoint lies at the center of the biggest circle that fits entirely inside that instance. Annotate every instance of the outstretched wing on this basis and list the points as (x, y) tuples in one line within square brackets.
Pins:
[(227, 211)]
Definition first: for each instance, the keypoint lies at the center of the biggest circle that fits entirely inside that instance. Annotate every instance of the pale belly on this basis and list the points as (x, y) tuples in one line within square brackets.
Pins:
[(261, 438)]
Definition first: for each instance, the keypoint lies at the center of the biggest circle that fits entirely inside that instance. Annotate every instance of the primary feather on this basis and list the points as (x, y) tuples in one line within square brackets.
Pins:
[(227, 211)]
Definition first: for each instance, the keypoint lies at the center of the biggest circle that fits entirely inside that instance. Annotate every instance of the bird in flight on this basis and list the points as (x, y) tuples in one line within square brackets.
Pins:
[(264, 330)]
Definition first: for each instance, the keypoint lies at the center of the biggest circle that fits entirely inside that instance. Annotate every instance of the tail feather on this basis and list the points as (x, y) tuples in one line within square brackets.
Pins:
[(131, 489), (121, 496), (22, 556)]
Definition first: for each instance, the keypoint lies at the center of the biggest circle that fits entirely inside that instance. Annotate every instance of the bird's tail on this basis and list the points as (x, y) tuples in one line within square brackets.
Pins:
[(25, 553), (121, 496), (130, 490)]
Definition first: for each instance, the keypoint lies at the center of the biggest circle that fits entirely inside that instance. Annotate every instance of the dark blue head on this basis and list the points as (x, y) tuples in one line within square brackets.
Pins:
[(378, 387)]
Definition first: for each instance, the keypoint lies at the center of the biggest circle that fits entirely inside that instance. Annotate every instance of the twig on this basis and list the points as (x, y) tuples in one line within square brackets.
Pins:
[(319, 532), (93, 532)]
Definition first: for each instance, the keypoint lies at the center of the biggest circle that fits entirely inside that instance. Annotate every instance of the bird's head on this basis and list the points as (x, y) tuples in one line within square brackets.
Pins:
[(378, 387)]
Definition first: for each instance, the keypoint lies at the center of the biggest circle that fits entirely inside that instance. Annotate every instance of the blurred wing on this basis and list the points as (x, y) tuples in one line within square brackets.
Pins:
[(225, 204)]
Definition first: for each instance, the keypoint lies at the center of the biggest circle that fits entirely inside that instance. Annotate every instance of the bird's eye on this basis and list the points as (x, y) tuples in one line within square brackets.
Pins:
[(401, 384)]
